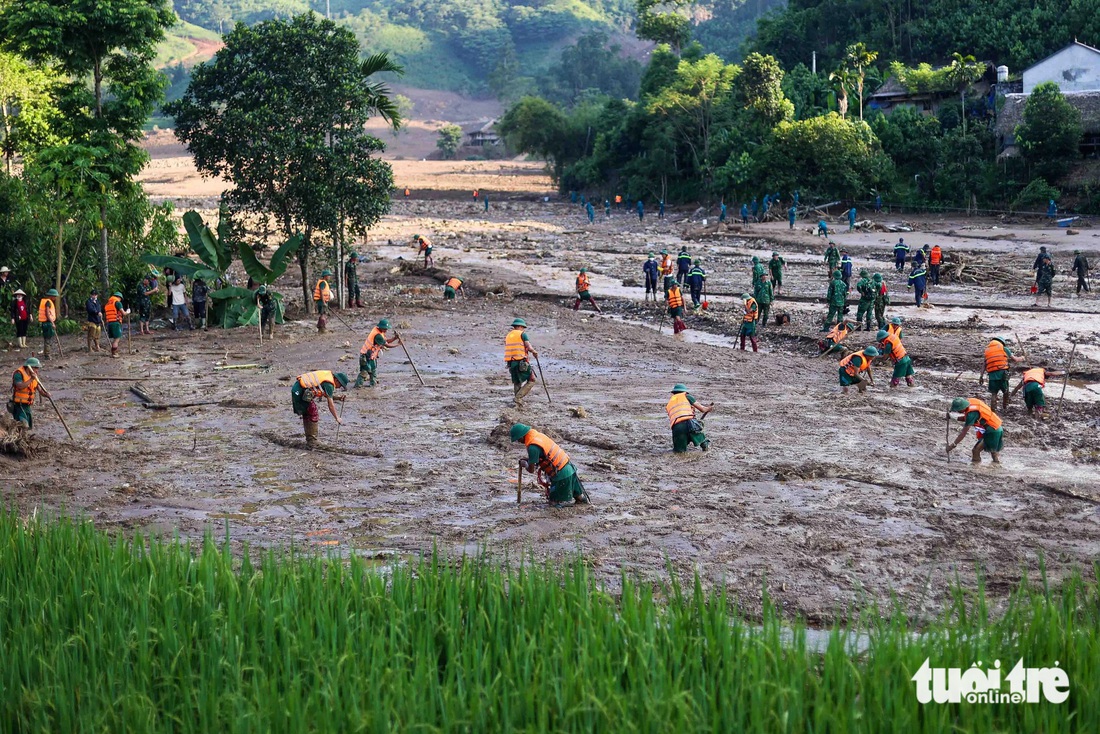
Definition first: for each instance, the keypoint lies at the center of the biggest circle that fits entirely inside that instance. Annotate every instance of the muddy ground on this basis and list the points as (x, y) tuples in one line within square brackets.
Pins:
[(830, 500)]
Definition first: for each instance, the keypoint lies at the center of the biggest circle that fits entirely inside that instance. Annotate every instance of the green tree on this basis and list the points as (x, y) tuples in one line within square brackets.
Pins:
[(961, 73), (591, 64), (537, 127), (761, 84), (859, 57), (110, 44), (661, 21), (808, 92), (280, 111), (26, 106), (1050, 134), (450, 140), (842, 80)]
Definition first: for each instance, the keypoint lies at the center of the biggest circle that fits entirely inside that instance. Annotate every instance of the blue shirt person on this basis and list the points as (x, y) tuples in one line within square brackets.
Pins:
[(851, 219), (641, 210), (918, 281), (792, 214), (744, 214), (722, 212), (591, 212)]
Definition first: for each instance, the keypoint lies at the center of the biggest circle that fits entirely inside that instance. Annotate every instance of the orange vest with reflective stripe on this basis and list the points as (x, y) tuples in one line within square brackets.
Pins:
[(312, 381), (896, 350), (751, 309), (453, 283), (369, 347), (855, 363), (514, 348), (679, 409), (1036, 375), (46, 310), (675, 298), (111, 308), (582, 282), (936, 256), (553, 458), (322, 291), (986, 417), (23, 392), (838, 334), (996, 358)]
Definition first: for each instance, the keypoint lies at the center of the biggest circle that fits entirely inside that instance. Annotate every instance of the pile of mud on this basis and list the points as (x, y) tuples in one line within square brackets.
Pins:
[(15, 438)]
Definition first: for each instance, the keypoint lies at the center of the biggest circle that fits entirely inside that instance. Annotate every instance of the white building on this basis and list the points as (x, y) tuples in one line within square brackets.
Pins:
[(1076, 68)]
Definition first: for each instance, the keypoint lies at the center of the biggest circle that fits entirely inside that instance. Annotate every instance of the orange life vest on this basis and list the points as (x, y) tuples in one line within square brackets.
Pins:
[(618, 199), (895, 350), (675, 298), (679, 409), (23, 392), (425, 243), (582, 282), (553, 458), (475, 193), (112, 309), (996, 358), (666, 264), (936, 256), (369, 348), (322, 291), (855, 363), (312, 381), (837, 334), (1036, 375), (46, 310), (751, 309), (894, 330), (453, 283), (407, 192), (986, 417), (514, 347)]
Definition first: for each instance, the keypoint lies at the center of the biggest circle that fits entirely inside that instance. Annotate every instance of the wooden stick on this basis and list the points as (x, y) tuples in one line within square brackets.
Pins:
[(59, 416), (56, 338), (341, 423), (411, 363), (519, 484), (129, 335), (947, 435), (1065, 379), (543, 380), (1020, 344)]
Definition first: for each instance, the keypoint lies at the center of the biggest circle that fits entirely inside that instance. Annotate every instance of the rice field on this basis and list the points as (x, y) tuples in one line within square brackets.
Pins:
[(101, 633)]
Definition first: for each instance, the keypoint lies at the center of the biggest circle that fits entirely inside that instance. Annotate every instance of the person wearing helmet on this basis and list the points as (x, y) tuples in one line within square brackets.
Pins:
[(1032, 383), (264, 298), (20, 317), (47, 319), (832, 257), (551, 465), (649, 270), (758, 273), (115, 310), (425, 249), (882, 300), (310, 388), (987, 427), (901, 252), (24, 387), (1081, 267), (452, 287), (836, 296), (764, 298), (748, 321), (517, 346), (866, 290), (835, 336), (583, 284), (890, 345), (351, 281), (853, 368), (376, 342), (322, 294), (775, 266), (997, 358), (675, 301), (666, 269), (686, 430)]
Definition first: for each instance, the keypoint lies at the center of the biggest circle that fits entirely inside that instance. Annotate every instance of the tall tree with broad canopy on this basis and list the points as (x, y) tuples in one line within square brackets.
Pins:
[(280, 112)]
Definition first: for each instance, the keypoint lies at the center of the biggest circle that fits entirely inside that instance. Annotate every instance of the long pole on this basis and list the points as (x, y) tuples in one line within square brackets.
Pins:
[(1020, 344), (345, 323), (56, 338), (519, 483), (129, 336), (543, 380), (1065, 380), (341, 423), (947, 435), (411, 363), (59, 416)]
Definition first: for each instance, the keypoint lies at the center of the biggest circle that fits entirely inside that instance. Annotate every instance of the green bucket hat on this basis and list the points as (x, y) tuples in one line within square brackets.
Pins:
[(836, 274), (775, 254), (325, 272), (352, 254), (871, 352), (341, 378), (679, 387), (416, 236), (896, 321), (755, 259), (863, 273), (117, 293), (745, 296), (998, 339), (52, 292), (584, 270), (882, 334), (519, 322), (32, 362), (878, 277), (653, 254), (664, 252), (518, 431), (959, 404), (384, 324)]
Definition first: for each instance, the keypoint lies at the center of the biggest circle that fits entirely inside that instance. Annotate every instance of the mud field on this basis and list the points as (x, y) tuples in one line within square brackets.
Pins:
[(829, 500)]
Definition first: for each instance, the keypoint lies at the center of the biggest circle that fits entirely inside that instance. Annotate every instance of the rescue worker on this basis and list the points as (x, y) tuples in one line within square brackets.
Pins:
[(1032, 383), (351, 281), (199, 292), (618, 201), (851, 219), (94, 311), (835, 336), (792, 215), (744, 214), (641, 210), (997, 358), (1081, 267), (683, 265), (890, 346), (451, 287), (24, 387), (836, 296), (846, 265), (722, 213), (935, 259), (866, 290), (748, 321), (517, 346), (853, 367), (583, 284), (264, 299), (696, 278), (114, 310), (666, 269), (1044, 278), (987, 427), (20, 317), (686, 430), (878, 203), (425, 249), (920, 256), (551, 465), (407, 192), (591, 212), (47, 319), (676, 307), (607, 208), (882, 300), (918, 281), (1052, 210), (894, 328), (372, 348), (755, 210), (764, 298), (649, 269), (775, 265), (322, 294), (822, 229), (485, 202), (758, 274), (832, 257), (149, 288), (307, 390), (901, 251)]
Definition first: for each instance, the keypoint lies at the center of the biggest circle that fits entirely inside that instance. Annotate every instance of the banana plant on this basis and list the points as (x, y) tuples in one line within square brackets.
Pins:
[(240, 309), (215, 251)]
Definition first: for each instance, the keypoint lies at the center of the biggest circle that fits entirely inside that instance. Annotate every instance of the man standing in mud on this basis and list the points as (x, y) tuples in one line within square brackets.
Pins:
[(375, 343), (425, 250), (901, 251), (748, 321), (758, 274), (832, 257), (866, 290), (1081, 267), (997, 358), (775, 265), (666, 269), (517, 346), (1044, 278), (24, 387), (1032, 383), (649, 269), (696, 278), (987, 427), (852, 369), (307, 390), (681, 409), (764, 298), (351, 281), (683, 265), (322, 294), (676, 307), (583, 294), (551, 465), (263, 298), (835, 297), (891, 346)]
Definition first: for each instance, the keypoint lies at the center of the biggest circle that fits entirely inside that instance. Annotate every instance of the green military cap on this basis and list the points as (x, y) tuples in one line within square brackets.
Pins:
[(352, 254), (755, 259), (679, 387), (384, 324), (745, 296), (998, 339), (863, 273), (32, 362), (341, 378), (882, 334), (325, 272), (775, 254), (518, 431), (653, 254), (871, 352), (584, 270), (664, 252), (52, 292), (117, 293), (896, 321), (519, 322), (878, 277), (960, 404), (836, 273)]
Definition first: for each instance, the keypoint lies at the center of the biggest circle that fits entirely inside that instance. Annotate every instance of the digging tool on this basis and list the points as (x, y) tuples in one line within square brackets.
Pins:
[(260, 319), (341, 423), (519, 483), (60, 351), (411, 363), (338, 318), (664, 314), (1065, 380), (947, 435), (129, 336), (1020, 344), (59, 416), (543, 380)]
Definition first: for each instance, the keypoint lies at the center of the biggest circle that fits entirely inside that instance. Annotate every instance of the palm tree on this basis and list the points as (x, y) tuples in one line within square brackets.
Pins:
[(842, 80), (962, 72), (859, 57)]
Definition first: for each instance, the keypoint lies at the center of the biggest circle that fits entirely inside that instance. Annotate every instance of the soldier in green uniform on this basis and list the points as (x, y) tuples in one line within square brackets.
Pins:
[(681, 409), (517, 346), (866, 289), (372, 349), (351, 281), (24, 387), (764, 297), (551, 464), (835, 297), (832, 256), (265, 300), (309, 388), (775, 265), (758, 274)]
